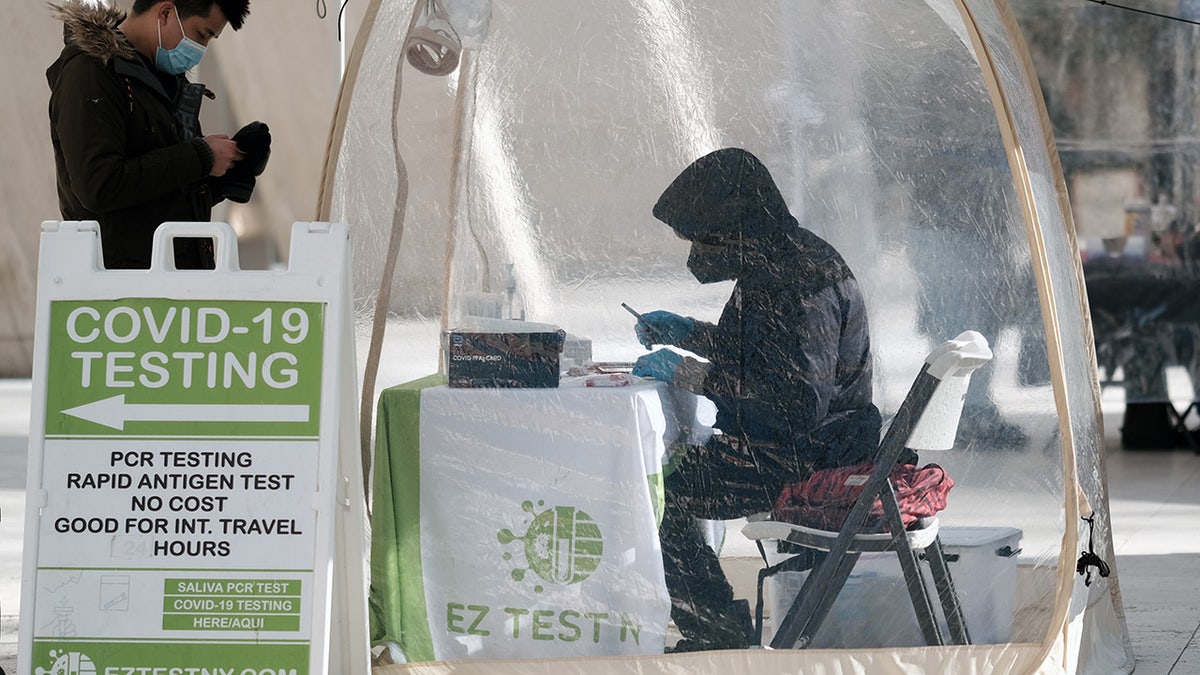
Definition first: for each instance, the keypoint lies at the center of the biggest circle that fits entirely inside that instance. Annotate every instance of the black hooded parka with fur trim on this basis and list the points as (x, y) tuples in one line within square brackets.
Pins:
[(128, 153)]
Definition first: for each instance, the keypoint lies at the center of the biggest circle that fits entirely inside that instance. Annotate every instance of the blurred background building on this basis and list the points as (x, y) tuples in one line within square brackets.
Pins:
[(1121, 90)]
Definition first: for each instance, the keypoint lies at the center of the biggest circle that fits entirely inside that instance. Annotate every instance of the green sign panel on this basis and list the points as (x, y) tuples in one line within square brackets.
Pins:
[(232, 604), (152, 366), (80, 657)]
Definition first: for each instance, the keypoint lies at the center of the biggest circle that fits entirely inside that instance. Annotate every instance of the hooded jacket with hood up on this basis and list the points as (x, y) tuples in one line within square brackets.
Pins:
[(791, 354), (128, 149)]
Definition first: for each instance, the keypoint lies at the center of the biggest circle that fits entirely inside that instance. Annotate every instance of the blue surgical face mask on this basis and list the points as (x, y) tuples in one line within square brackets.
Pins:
[(185, 56)]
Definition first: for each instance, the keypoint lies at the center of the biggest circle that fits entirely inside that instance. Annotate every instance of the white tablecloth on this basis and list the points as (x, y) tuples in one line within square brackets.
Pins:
[(537, 520)]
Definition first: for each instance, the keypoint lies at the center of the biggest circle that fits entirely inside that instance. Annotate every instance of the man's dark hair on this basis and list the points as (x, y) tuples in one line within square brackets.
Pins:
[(235, 11)]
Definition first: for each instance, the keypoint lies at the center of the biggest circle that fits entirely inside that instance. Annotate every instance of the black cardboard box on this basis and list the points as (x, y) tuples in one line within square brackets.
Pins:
[(506, 360)]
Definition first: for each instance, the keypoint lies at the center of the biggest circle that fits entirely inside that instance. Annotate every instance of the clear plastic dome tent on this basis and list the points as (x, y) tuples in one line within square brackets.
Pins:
[(525, 154)]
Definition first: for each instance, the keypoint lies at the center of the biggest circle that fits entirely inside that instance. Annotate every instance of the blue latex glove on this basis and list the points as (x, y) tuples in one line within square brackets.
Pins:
[(662, 328), (660, 365)]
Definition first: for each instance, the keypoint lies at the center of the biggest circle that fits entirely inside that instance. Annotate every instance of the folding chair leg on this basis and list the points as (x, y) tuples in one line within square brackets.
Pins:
[(1179, 422), (802, 621), (758, 606), (949, 597), (922, 603), (804, 561), (911, 566), (825, 600), (792, 624)]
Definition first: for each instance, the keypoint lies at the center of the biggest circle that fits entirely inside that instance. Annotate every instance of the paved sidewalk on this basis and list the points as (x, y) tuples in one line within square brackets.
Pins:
[(14, 445)]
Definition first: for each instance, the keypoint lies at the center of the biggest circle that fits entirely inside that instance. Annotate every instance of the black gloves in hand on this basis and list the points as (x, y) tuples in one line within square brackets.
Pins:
[(254, 140)]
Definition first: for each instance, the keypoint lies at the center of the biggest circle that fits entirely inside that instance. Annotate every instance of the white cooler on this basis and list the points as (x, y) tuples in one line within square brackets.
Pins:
[(874, 609)]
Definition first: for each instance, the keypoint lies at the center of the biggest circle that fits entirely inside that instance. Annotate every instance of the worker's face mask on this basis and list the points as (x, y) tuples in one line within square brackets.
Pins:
[(715, 258), (185, 56)]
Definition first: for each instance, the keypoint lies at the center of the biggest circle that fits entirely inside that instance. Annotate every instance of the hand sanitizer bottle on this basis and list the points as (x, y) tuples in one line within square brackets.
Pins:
[(514, 304)]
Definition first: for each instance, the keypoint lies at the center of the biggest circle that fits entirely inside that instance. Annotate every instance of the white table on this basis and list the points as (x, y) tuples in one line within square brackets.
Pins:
[(513, 523)]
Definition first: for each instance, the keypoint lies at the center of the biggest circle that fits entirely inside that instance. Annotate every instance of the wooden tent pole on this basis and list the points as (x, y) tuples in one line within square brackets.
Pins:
[(337, 129), (324, 208), (1033, 229)]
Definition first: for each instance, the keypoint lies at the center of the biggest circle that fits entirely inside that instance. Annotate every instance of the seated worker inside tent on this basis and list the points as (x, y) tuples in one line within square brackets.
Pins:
[(788, 366)]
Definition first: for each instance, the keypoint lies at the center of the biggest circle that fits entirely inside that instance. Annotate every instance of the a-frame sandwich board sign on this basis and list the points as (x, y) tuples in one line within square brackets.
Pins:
[(194, 499)]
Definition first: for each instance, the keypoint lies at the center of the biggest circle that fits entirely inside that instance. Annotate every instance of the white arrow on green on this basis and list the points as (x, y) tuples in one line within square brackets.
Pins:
[(114, 412)]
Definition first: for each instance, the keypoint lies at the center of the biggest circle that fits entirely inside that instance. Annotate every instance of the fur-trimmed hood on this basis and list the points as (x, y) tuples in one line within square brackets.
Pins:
[(93, 29)]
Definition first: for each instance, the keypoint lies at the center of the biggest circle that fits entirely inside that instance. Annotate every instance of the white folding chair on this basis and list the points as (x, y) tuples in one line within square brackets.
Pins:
[(927, 420)]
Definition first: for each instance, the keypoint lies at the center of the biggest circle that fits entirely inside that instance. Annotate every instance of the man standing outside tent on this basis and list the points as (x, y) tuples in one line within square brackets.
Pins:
[(788, 366), (125, 125)]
